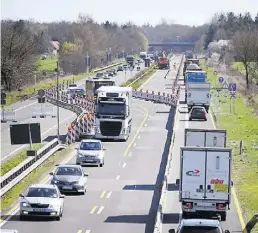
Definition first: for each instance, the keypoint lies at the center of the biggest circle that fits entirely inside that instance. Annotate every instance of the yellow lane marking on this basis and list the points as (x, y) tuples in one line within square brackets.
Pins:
[(137, 132), (80, 231), (102, 194), (238, 208), (93, 209)]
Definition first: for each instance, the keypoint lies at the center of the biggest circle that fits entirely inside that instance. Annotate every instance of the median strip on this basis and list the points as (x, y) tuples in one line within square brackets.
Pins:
[(10, 197), (14, 161)]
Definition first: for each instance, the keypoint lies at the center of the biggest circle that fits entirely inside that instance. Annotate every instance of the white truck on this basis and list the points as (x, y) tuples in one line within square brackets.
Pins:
[(198, 94), (205, 181), (113, 113), (205, 137)]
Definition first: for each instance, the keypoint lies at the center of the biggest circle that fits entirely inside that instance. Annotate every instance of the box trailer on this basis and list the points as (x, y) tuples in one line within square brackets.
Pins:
[(205, 181), (205, 137)]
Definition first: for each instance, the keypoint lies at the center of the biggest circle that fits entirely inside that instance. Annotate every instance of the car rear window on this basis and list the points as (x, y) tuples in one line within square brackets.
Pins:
[(196, 229)]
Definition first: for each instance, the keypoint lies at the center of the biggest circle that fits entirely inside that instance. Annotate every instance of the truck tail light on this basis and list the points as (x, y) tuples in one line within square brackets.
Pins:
[(220, 206), (188, 205)]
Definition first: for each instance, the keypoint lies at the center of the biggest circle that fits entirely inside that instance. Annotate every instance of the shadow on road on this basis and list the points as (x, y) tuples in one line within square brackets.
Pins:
[(140, 219), (160, 176)]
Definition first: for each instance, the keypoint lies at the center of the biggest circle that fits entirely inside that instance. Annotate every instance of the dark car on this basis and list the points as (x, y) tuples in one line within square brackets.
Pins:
[(120, 68), (198, 113)]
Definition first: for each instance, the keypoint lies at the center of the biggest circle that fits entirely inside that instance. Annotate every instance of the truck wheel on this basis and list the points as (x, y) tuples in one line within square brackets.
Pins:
[(207, 110), (223, 216)]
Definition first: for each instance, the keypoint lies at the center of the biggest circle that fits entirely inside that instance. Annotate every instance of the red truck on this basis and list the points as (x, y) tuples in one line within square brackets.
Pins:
[(163, 63)]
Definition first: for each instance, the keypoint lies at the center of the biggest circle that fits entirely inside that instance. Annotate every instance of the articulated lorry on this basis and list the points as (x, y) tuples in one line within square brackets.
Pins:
[(113, 113), (205, 181)]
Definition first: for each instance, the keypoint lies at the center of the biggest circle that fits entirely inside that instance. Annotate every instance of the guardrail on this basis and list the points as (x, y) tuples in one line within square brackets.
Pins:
[(106, 67), (13, 177), (159, 215)]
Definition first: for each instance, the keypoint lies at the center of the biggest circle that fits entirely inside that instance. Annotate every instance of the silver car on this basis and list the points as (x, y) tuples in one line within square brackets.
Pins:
[(42, 200), (70, 178), (90, 152), (199, 226)]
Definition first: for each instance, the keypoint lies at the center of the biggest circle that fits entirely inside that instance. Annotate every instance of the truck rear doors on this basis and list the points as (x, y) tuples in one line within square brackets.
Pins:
[(205, 173), (205, 138)]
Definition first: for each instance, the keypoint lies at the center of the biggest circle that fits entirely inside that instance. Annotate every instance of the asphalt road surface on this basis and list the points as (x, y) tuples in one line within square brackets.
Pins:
[(123, 195), (172, 207), (25, 109)]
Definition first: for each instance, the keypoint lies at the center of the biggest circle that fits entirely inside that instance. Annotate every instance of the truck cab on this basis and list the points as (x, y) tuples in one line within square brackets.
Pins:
[(113, 113)]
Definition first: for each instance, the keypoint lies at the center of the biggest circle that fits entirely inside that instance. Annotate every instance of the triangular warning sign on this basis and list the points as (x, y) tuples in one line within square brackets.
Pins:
[(225, 85)]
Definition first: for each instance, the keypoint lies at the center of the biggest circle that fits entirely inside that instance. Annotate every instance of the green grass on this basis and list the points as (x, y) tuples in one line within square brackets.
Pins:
[(47, 65), (241, 124), (9, 198), (15, 160), (16, 96)]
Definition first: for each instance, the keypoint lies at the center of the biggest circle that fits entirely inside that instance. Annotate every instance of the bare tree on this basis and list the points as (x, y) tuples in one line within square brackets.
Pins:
[(245, 49), (19, 47)]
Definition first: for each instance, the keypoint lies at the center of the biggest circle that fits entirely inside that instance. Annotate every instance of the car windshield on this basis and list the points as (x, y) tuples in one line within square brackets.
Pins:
[(192, 229), (99, 75), (73, 85), (42, 192), (90, 146), (68, 171)]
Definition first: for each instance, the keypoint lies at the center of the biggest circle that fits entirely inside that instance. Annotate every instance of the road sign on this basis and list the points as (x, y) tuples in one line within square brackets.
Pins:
[(41, 93), (225, 85), (232, 95), (215, 72), (221, 79), (232, 87)]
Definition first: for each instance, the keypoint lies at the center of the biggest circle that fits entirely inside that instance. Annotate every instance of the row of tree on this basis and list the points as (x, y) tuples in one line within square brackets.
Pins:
[(23, 42), (241, 33)]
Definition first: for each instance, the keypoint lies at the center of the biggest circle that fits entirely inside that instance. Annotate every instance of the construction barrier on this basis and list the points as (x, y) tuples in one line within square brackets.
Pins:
[(43, 111)]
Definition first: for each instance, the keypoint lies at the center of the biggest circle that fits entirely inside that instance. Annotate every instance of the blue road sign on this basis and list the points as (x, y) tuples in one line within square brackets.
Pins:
[(221, 79), (232, 87)]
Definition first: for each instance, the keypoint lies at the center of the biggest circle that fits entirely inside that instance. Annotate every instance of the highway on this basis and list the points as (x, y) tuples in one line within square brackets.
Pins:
[(172, 207), (123, 195), (48, 125)]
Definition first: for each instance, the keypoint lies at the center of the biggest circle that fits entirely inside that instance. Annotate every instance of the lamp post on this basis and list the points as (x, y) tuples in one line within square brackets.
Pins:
[(57, 99)]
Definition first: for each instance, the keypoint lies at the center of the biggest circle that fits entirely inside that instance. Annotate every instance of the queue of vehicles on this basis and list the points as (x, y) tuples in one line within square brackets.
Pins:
[(205, 169), (197, 88)]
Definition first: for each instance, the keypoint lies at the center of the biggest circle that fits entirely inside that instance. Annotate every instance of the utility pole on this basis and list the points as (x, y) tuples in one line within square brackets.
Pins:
[(57, 99), (87, 62)]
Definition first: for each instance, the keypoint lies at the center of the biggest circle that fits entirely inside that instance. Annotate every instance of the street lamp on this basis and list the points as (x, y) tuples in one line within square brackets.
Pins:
[(57, 99)]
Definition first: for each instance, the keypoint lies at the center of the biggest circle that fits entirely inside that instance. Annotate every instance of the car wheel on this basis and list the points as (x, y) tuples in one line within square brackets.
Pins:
[(205, 119), (58, 218), (223, 216), (101, 165), (22, 217), (190, 119)]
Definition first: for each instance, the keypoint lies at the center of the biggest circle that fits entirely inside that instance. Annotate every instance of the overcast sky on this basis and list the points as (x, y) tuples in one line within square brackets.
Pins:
[(189, 12)]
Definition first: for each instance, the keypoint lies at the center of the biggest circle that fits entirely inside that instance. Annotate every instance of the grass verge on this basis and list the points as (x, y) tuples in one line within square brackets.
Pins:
[(47, 65), (9, 198), (241, 124), (16, 160), (16, 96), (149, 71)]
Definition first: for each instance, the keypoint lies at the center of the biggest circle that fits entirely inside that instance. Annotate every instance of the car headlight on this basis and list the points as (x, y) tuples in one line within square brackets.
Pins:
[(55, 181), (24, 204), (80, 155), (53, 206)]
